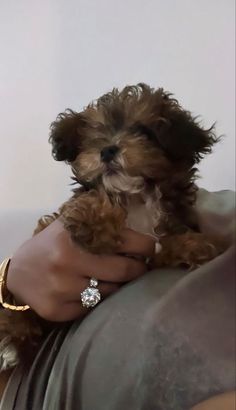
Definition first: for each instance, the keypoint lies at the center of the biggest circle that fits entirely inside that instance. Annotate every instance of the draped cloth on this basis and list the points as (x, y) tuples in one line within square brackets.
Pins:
[(163, 342)]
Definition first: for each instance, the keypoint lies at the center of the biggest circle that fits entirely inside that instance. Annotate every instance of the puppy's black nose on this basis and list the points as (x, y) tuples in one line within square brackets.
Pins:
[(108, 153)]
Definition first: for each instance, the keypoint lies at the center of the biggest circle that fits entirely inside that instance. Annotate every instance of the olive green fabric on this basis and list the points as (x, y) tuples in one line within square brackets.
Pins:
[(163, 342)]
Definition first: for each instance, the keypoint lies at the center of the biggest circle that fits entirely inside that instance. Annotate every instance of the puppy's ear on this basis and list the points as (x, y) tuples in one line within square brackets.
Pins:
[(183, 138), (65, 135)]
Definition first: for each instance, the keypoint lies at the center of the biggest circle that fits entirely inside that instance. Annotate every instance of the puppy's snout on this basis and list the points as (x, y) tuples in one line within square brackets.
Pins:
[(109, 153)]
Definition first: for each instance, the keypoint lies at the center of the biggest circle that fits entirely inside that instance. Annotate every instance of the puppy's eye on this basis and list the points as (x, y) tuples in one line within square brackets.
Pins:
[(145, 131), (150, 134)]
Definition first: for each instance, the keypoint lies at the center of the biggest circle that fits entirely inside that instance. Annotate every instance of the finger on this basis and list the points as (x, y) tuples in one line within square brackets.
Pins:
[(74, 309), (137, 243), (112, 268), (105, 288)]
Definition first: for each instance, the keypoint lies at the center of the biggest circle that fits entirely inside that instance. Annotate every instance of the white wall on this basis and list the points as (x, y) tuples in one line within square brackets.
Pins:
[(62, 53)]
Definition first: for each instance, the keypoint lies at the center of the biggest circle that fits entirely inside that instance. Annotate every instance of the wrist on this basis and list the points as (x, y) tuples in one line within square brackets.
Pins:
[(11, 285), (7, 299)]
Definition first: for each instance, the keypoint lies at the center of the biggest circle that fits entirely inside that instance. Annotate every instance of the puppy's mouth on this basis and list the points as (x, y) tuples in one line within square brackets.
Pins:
[(113, 168), (116, 180), (113, 175)]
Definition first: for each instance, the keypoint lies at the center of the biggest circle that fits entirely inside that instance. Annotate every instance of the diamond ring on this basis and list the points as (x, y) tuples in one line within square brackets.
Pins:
[(91, 296)]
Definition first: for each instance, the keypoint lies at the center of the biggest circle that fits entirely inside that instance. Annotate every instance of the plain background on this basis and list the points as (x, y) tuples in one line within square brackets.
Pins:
[(56, 54)]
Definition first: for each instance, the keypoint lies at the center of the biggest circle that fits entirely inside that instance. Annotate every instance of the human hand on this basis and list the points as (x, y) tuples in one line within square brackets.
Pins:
[(49, 271)]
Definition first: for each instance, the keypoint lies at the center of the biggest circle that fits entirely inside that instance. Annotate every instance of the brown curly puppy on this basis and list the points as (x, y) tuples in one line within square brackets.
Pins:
[(133, 154)]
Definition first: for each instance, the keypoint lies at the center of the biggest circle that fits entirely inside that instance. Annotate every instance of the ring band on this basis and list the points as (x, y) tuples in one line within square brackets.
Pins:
[(91, 296)]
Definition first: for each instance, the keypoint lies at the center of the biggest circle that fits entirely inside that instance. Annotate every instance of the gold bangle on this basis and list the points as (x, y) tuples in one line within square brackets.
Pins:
[(3, 274)]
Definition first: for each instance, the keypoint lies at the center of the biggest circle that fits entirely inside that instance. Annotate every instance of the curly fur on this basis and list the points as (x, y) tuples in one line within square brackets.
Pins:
[(148, 185)]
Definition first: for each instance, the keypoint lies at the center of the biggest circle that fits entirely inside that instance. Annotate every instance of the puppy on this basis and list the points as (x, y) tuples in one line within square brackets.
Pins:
[(133, 154)]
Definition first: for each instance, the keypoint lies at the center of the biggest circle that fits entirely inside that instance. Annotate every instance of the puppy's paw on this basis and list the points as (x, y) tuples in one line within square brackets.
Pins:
[(93, 222), (190, 250), (196, 251)]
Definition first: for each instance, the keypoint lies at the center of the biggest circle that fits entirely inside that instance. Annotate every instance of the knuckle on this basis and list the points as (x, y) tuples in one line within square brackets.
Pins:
[(56, 261), (56, 279), (56, 287)]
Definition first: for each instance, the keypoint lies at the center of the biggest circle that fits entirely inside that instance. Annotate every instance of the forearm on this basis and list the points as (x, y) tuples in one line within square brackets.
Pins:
[(226, 401)]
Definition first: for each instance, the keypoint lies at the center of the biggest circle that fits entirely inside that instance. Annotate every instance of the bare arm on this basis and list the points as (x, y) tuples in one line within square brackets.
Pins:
[(226, 401)]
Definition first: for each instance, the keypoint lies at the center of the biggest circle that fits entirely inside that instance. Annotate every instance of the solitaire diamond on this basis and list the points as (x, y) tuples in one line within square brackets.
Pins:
[(90, 297)]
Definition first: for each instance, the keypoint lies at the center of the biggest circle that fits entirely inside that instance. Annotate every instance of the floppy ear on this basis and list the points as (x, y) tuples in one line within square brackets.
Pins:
[(183, 138), (65, 135)]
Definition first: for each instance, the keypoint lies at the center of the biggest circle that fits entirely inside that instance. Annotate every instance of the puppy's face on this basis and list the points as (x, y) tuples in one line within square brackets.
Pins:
[(121, 160), (128, 139)]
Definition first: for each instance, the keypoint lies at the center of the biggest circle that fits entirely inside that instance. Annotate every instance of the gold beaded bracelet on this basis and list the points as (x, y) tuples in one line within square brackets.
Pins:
[(3, 274)]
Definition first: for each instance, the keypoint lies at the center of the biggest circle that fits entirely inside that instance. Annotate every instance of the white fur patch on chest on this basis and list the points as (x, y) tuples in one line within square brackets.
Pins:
[(144, 214)]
